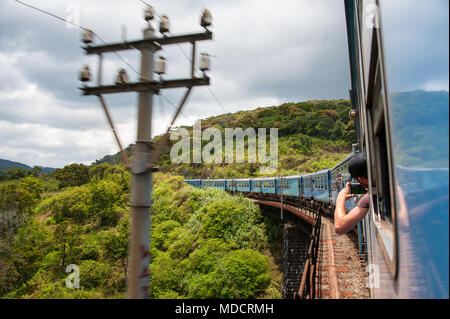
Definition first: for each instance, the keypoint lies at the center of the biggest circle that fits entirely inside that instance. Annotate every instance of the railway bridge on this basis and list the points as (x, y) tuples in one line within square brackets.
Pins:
[(317, 263)]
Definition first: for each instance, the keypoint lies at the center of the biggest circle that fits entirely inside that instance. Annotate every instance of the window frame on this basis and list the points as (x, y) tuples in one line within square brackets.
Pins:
[(376, 117)]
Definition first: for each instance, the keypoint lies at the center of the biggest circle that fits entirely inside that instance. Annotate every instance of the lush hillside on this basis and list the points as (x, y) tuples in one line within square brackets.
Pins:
[(312, 135), (205, 243), (6, 165)]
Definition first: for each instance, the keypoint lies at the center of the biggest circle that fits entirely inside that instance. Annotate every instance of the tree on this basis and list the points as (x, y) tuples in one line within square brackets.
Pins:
[(72, 175), (67, 238), (16, 198), (105, 201), (98, 171), (115, 244), (31, 243), (306, 144), (16, 173), (36, 171), (33, 185)]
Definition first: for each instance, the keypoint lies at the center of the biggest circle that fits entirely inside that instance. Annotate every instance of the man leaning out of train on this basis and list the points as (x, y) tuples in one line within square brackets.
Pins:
[(357, 167)]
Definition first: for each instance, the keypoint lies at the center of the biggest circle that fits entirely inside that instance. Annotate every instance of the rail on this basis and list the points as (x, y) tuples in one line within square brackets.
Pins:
[(307, 289)]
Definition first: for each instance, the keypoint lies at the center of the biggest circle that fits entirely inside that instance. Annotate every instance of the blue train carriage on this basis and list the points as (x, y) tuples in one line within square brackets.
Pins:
[(289, 185), (264, 185), (239, 185), (316, 185), (214, 183), (194, 182), (339, 176), (402, 125)]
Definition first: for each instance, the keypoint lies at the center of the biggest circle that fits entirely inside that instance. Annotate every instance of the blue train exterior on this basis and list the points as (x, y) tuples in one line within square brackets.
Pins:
[(213, 183), (317, 185), (239, 185), (402, 125), (264, 185), (194, 182), (289, 185)]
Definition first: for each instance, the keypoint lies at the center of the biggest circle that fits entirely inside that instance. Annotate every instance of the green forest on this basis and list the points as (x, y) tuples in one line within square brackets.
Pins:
[(204, 243), (312, 135)]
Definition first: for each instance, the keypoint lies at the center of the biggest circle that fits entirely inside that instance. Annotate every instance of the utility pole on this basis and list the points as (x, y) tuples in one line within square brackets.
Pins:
[(141, 185), (145, 153)]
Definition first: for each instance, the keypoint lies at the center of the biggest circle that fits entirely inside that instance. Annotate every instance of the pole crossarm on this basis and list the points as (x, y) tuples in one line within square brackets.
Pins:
[(143, 86), (148, 43), (145, 153)]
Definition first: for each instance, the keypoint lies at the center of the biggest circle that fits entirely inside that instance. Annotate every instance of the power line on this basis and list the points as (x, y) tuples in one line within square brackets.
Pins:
[(78, 26), (51, 14), (117, 54), (171, 104), (190, 60), (215, 97)]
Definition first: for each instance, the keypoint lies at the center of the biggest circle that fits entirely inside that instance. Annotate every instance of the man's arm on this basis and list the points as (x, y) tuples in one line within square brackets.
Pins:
[(344, 222)]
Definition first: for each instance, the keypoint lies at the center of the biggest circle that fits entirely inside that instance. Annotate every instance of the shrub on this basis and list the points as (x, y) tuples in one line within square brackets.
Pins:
[(71, 203)]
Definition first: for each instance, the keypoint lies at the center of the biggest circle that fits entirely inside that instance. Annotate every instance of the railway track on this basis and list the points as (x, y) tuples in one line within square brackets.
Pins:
[(340, 272)]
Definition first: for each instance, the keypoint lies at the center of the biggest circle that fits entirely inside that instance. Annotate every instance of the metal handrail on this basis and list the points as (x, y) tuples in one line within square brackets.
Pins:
[(310, 268)]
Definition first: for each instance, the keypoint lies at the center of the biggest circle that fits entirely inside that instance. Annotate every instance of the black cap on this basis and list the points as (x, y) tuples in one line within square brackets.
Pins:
[(357, 167)]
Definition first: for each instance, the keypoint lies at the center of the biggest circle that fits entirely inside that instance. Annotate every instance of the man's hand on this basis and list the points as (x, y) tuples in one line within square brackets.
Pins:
[(344, 222), (345, 193)]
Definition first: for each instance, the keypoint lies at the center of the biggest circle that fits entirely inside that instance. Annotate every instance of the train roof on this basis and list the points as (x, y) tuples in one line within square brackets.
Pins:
[(239, 179), (264, 178), (291, 176), (346, 159), (324, 171)]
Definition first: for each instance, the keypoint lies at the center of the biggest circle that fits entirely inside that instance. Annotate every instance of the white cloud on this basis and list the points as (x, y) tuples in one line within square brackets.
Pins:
[(266, 54)]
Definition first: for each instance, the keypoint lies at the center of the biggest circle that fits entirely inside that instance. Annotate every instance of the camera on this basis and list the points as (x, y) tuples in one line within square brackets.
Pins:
[(357, 189)]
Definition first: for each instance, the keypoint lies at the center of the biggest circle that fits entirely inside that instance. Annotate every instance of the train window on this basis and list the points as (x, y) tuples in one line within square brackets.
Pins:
[(380, 160)]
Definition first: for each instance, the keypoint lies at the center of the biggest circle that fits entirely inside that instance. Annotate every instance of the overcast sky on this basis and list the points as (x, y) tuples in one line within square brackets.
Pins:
[(265, 53)]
